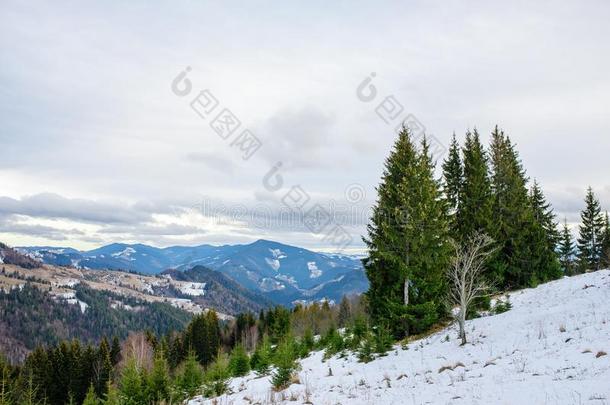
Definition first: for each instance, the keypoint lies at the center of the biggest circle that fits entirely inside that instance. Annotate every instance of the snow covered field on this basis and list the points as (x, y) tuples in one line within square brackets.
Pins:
[(549, 349)]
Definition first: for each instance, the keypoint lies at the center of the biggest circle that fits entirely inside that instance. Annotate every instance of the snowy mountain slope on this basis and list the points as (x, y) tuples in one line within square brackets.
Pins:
[(549, 349)]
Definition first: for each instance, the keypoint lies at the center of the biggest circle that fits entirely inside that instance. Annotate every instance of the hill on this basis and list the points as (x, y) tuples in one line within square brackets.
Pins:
[(549, 348)]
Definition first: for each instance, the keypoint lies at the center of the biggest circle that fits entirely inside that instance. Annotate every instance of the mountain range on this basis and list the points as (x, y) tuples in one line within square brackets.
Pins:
[(284, 274)]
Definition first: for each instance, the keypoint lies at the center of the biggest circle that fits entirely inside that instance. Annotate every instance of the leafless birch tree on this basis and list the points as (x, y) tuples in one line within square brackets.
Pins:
[(466, 277)]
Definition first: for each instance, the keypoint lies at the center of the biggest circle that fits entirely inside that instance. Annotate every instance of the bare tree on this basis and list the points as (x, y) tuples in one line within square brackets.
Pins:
[(466, 275)]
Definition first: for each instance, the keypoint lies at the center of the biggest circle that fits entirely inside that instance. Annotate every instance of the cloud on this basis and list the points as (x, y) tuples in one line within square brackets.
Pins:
[(49, 205), (299, 137)]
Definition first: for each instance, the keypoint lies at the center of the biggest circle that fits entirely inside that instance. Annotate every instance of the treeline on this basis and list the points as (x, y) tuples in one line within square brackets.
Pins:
[(483, 190), (149, 368), (30, 317)]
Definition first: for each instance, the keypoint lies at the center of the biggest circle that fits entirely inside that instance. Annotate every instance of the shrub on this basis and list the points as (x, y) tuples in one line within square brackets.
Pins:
[(285, 364), (262, 357), (190, 377), (216, 377), (502, 306), (239, 362)]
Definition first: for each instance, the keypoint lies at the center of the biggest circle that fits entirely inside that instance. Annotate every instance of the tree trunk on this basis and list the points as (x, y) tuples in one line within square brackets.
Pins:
[(462, 322)]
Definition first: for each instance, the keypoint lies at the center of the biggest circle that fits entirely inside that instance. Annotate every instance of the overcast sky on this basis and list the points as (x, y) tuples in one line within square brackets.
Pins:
[(95, 147)]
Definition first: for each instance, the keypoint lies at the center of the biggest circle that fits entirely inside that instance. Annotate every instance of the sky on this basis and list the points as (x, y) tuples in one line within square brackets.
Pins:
[(113, 115)]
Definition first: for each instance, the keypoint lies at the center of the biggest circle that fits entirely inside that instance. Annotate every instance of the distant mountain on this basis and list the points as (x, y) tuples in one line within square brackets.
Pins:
[(221, 292), (285, 274)]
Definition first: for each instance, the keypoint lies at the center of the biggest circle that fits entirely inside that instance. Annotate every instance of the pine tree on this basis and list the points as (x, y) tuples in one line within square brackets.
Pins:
[(386, 265), (91, 398), (453, 180), (115, 351), (345, 312), (590, 239), (132, 387), (543, 239), (475, 202), (190, 379), (215, 379), (262, 357), (566, 250), (285, 365), (239, 362), (523, 255), (543, 213), (605, 259), (159, 385), (112, 396), (407, 242)]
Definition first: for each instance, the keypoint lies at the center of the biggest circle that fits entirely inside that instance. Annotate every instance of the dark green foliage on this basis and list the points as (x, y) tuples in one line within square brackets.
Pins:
[(285, 365), (159, 382), (605, 258), (475, 198), (407, 240), (239, 362), (383, 339), (189, 378), (566, 250), (591, 234), (502, 306), (203, 337), (216, 377), (276, 324), (132, 384), (522, 225), (453, 181), (262, 357), (333, 341)]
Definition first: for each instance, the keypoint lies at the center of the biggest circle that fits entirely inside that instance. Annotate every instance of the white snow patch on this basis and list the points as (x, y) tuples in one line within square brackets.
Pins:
[(314, 271)]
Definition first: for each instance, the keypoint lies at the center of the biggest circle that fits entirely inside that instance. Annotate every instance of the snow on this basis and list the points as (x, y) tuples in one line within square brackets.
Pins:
[(125, 254), (546, 350), (193, 289), (314, 271)]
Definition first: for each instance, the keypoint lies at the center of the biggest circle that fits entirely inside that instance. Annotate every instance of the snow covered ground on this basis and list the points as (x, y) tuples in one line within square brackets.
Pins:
[(549, 349)]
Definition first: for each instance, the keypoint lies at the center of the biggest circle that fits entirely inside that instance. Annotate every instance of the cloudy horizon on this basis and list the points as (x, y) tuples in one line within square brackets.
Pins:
[(102, 140)]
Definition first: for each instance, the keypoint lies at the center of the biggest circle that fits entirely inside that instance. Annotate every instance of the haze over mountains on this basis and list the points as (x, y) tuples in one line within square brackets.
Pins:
[(285, 274)]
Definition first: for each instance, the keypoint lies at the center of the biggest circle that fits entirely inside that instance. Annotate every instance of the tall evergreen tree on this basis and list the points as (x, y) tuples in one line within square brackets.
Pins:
[(543, 239), (566, 249), (453, 179), (544, 215), (524, 257), (475, 203), (590, 239), (605, 259), (408, 242)]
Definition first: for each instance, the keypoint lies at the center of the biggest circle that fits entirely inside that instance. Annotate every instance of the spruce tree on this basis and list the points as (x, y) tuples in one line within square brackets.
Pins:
[(386, 262), (605, 259), (475, 202), (90, 397), (523, 256), (453, 179), (239, 362), (543, 239), (543, 213), (345, 312), (407, 242), (190, 378), (159, 384), (590, 239), (566, 250)]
